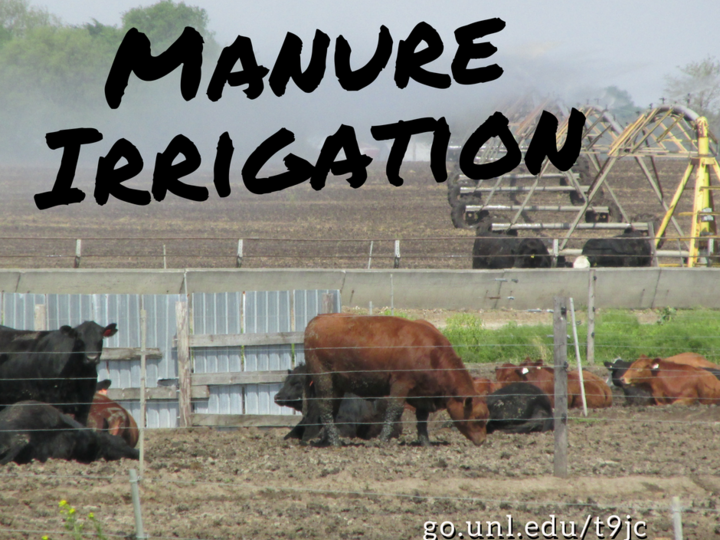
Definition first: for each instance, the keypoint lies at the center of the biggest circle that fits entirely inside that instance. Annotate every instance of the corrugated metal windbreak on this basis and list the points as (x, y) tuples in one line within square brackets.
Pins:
[(266, 312), (124, 310), (307, 306), (261, 313), (219, 313), (18, 310)]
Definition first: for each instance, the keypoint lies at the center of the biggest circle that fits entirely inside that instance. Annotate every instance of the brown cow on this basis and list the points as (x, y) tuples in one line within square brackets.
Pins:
[(672, 383), (407, 361), (597, 393), (510, 373), (108, 415), (687, 359), (484, 386)]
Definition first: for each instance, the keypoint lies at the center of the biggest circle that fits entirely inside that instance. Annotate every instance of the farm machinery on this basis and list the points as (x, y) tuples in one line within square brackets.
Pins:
[(589, 200)]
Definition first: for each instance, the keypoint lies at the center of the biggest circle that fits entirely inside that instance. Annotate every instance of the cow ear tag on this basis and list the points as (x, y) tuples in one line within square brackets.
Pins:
[(524, 371)]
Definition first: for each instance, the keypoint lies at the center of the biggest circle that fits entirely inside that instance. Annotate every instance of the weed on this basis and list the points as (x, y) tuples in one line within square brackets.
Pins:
[(74, 526)]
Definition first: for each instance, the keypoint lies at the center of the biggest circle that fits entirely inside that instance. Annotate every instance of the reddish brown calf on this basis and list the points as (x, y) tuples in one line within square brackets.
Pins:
[(673, 384), (108, 415)]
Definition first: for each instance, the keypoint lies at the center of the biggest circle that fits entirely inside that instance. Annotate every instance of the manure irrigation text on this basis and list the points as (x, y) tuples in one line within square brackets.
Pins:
[(134, 56)]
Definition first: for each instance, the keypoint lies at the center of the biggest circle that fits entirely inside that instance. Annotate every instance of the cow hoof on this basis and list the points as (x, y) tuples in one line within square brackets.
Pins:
[(324, 443)]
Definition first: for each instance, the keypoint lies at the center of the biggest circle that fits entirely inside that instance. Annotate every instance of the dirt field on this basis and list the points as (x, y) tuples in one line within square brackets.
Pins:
[(203, 483), (251, 484), (297, 227)]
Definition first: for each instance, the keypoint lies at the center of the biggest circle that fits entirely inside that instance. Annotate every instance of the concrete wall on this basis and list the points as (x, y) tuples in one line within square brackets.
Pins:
[(449, 289)]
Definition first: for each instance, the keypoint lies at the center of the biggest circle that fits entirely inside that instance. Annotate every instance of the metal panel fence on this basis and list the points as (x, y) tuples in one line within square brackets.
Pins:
[(266, 312)]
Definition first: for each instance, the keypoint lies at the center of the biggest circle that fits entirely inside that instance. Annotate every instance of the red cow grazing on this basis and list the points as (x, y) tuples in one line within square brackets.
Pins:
[(407, 361), (671, 383), (108, 415)]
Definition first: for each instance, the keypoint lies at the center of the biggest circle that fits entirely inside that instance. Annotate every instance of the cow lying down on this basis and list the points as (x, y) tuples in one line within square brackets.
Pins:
[(519, 408), (109, 416), (674, 384), (356, 417), (33, 430), (634, 395)]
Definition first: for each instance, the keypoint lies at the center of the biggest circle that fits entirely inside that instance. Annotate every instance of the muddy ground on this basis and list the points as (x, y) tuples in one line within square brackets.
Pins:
[(251, 484)]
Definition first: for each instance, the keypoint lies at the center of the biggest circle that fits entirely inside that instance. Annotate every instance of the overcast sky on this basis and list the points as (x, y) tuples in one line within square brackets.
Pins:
[(563, 45), (567, 49)]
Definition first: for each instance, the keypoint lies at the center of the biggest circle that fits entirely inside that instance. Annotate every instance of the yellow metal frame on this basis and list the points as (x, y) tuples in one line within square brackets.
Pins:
[(704, 217)]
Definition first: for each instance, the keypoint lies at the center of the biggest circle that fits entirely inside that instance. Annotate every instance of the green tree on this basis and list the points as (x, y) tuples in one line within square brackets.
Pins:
[(164, 22), (17, 18), (698, 86), (620, 104)]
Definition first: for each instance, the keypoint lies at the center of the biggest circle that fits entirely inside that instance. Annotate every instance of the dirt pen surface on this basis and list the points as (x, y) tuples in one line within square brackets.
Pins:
[(251, 484)]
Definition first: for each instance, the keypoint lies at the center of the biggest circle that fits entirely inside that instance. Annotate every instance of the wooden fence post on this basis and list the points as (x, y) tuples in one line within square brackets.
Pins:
[(78, 253), (239, 260), (396, 260), (653, 251), (555, 253), (143, 386), (561, 402), (392, 296), (183, 356), (592, 278), (327, 303), (40, 317), (370, 255)]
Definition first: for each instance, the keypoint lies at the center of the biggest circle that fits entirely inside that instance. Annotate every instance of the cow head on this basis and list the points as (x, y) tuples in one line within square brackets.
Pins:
[(291, 393), (89, 339), (102, 386), (470, 415), (508, 373), (617, 369), (639, 371)]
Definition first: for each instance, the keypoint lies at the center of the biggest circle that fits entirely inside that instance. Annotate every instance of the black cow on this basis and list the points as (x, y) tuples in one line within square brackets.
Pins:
[(57, 367), (634, 395), (357, 417), (33, 430), (631, 248), (532, 253), (494, 250), (519, 408)]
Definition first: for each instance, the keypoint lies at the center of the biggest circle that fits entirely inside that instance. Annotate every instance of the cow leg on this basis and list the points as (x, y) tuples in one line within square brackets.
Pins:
[(16, 445), (393, 414), (328, 403), (422, 416)]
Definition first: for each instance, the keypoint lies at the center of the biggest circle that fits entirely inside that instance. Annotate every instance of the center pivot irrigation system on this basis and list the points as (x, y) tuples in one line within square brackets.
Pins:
[(523, 201)]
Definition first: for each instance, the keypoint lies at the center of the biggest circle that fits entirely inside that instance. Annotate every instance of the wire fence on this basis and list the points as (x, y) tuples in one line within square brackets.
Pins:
[(463, 250), (255, 495)]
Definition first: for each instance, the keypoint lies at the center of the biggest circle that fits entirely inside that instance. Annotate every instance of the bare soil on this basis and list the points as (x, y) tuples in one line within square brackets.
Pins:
[(250, 483), (294, 228)]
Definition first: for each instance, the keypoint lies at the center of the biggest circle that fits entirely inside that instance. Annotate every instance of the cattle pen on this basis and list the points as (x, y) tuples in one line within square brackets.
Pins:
[(626, 464)]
